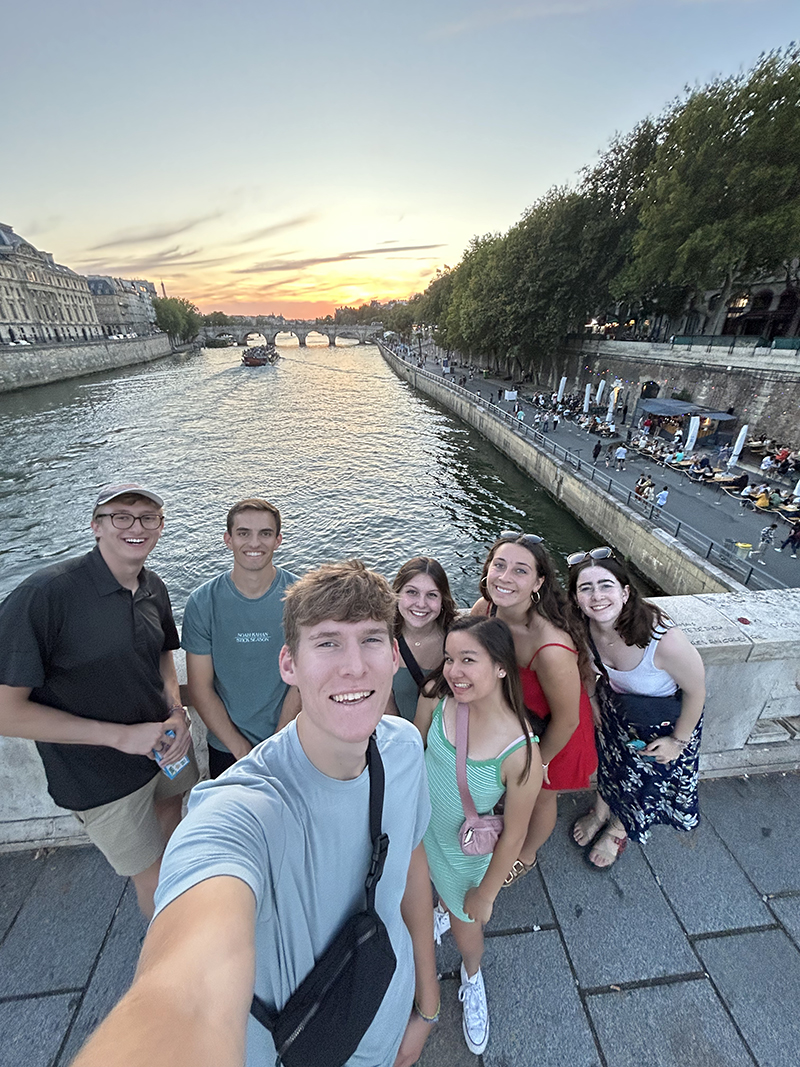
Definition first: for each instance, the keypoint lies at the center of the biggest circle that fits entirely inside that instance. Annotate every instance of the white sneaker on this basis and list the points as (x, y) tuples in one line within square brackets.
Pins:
[(441, 922), (475, 1024)]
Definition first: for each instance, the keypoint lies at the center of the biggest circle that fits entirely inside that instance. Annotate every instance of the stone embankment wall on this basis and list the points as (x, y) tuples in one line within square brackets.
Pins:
[(24, 366), (660, 557), (762, 385)]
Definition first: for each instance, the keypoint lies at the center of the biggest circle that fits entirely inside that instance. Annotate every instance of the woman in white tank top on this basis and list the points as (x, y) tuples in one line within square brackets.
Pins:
[(641, 781)]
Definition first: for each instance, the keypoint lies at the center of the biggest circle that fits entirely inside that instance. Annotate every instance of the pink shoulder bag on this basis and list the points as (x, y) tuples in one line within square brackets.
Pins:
[(479, 833)]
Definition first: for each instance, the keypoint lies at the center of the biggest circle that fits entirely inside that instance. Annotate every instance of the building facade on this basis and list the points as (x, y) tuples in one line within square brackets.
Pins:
[(124, 306), (41, 301)]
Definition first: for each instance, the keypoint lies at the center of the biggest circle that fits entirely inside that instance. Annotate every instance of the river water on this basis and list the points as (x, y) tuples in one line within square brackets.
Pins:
[(356, 461)]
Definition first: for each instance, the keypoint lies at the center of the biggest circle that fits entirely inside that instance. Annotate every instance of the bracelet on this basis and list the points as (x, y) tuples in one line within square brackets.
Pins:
[(185, 710), (678, 741), (428, 1018)]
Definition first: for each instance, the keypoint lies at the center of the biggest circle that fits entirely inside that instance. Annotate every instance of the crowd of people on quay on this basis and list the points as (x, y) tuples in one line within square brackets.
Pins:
[(359, 732)]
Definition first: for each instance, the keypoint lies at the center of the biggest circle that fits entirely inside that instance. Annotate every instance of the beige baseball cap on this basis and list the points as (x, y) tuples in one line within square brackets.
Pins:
[(111, 492)]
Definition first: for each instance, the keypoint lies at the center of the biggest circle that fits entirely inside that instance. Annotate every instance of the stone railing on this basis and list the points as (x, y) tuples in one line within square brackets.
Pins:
[(752, 720)]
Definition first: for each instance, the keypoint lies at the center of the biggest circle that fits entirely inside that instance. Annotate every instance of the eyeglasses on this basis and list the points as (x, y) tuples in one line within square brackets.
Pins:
[(596, 553), (123, 520), (522, 538)]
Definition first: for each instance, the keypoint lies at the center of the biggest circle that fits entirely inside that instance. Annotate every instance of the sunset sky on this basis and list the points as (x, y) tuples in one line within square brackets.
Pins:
[(291, 157)]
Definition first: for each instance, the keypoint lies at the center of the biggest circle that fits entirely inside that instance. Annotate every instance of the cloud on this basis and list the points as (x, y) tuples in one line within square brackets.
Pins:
[(157, 261), (302, 264), (140, 237), (279, 227)]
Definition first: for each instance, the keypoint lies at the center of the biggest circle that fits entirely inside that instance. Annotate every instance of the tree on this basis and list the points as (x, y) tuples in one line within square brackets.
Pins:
[(216, 318), (178, 318), (721, 200)]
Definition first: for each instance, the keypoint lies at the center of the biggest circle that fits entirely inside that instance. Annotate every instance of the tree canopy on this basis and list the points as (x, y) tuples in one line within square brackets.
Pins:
[(705, 196), (178, 318)]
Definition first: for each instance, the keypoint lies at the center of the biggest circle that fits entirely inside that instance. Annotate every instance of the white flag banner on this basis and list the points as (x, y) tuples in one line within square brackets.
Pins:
[(612, 399), (737, 448), (561, 386), (511, 394), (586, 395), (600, 389), (694, 426)]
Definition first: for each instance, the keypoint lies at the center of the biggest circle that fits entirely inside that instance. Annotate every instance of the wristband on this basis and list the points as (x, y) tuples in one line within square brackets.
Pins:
[(428, 1018), (180, 707)]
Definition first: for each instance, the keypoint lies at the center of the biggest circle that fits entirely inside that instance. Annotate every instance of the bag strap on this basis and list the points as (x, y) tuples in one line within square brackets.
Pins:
[(380, 846), (380, 841), (408, 658), (462, 741), (601, 667)]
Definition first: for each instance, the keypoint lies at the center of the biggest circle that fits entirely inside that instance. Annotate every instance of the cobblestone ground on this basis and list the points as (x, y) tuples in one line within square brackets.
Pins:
[(685, 954)]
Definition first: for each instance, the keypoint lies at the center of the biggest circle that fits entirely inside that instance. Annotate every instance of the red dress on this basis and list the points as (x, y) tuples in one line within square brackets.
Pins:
[(577, 760)]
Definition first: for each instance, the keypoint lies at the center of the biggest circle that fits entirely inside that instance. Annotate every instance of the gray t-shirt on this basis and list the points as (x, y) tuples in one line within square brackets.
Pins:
[(244, 637), (300, 840)]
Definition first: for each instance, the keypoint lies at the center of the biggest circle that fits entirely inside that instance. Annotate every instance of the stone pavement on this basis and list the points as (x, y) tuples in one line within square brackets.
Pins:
[(685, 954), (704, 507)]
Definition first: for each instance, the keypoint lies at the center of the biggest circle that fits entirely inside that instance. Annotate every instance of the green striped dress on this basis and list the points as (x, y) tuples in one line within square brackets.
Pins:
[(452, 872)]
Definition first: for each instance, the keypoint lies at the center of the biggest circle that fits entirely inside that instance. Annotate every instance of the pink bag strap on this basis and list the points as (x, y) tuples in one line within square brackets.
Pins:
[(462, 742)]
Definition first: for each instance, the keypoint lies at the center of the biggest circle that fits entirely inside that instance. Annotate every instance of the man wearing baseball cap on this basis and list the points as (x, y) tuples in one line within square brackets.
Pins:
[(87, 673)]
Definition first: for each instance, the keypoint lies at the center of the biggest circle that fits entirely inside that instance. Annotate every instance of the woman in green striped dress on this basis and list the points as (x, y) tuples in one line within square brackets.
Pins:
[(480, 671)]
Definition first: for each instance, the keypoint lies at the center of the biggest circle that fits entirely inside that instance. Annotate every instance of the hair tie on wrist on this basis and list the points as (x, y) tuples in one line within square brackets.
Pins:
[(428, 1018)]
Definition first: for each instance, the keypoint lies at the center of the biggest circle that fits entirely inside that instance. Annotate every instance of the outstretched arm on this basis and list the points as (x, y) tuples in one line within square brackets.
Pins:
[(191, 995)]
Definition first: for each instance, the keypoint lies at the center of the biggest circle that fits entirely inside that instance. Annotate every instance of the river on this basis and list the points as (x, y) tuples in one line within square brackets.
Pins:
[(356, 461)]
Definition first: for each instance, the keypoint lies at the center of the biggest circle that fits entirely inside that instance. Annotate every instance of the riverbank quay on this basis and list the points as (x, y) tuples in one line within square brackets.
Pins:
[(672, 553), (24, 366), (761, 383), (685, 954)]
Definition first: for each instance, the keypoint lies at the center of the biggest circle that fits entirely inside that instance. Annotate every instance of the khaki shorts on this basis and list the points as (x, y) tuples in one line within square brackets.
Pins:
[(127, 831)]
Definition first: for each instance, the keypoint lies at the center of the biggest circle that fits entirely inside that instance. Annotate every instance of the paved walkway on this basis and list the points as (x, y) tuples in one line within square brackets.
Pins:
[(686, 954), (704, 507)]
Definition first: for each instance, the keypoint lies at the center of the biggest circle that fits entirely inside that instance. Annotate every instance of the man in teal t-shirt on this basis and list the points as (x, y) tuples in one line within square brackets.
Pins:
[(232, 634)]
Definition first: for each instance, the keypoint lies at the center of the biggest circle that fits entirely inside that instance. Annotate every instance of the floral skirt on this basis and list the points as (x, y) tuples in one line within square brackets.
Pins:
[(640, 792)]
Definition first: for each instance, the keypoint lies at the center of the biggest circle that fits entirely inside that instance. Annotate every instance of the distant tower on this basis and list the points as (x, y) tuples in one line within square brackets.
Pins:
[(164, 291)]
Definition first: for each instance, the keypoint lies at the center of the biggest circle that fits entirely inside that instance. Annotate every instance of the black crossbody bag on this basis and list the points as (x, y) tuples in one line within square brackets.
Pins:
[(646, 717), (325, 1018)]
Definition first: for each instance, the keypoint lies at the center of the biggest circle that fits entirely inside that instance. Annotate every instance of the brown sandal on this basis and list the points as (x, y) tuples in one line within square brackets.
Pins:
[(590, 819), (518, 870), (612, 849)]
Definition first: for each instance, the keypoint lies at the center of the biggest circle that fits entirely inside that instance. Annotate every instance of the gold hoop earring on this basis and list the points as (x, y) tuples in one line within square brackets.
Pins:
[(535, 598)]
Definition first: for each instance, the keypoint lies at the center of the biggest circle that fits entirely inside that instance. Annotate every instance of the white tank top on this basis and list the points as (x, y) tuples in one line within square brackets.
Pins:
[(645, 679)]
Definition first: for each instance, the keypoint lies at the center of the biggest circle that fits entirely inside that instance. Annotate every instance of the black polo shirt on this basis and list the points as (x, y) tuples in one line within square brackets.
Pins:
[(86, 645)]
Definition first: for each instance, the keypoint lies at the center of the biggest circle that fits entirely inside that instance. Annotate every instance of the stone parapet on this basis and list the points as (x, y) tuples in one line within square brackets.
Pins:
[(748, 642), (25, 366)]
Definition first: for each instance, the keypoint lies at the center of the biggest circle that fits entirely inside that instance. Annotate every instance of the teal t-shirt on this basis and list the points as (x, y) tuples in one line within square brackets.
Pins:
[(243, 637)]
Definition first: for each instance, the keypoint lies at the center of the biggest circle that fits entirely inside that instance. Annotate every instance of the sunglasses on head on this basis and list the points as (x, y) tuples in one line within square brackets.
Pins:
[(522, 538), (596, 553)]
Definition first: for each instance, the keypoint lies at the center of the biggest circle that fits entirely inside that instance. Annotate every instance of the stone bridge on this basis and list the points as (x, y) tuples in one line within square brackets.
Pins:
[(241, 328)]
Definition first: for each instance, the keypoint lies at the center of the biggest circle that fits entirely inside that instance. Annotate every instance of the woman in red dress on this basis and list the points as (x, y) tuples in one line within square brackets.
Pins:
[(519, 586)]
